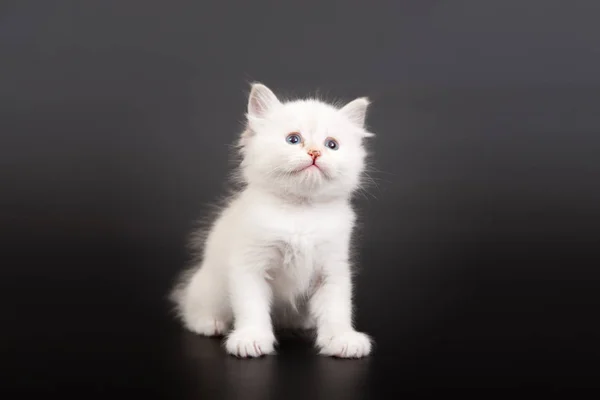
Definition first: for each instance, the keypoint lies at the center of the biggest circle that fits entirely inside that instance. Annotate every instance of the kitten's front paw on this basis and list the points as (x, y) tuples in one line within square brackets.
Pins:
[(350, 344), (250, 342)]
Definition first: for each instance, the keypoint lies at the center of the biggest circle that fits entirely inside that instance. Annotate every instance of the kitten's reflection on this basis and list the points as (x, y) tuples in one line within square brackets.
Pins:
[(297, 369), (251, 379), (216, 374), (341, 379)]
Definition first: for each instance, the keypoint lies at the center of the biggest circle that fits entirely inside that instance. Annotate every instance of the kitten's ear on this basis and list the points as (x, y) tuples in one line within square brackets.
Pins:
[(356, 111), (261, 100)]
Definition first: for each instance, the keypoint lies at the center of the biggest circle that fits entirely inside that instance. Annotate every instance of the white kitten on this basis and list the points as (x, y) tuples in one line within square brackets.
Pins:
[(278, 253)]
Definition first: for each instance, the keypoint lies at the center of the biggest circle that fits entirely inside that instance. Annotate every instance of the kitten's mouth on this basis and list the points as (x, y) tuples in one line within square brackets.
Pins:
[(310, 166), (313, 169)]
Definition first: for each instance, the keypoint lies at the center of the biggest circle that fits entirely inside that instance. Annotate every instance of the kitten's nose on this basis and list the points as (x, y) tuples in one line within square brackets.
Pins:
[(314, 153)]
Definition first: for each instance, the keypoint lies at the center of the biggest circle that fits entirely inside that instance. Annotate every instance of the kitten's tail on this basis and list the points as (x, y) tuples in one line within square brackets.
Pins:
[(178, 290)]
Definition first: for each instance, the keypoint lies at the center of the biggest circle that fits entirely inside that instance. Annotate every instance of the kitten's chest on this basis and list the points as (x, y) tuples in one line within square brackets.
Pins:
[(301, 234), (299, 249), (300, 238), (299, 263)]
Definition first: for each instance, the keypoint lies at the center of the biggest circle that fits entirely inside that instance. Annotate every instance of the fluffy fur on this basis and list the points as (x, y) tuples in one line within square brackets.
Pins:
[(278, 253)]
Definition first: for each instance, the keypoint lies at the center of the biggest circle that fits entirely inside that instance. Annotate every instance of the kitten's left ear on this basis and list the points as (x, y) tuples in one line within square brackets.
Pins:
[(356, 112)]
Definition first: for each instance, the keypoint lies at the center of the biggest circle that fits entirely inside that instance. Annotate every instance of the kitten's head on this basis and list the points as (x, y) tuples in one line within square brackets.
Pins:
[(303, 148)]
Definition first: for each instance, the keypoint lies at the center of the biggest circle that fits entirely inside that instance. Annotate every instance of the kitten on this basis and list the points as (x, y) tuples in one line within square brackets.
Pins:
[(278, 255)]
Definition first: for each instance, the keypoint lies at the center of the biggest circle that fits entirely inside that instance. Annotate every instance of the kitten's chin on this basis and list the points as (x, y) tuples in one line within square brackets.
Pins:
[(302, 182), (307, 185), (310, 168), (307, 169)]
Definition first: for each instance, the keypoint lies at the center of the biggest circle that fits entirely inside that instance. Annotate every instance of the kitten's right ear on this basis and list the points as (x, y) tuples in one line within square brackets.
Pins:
[(260, 101)]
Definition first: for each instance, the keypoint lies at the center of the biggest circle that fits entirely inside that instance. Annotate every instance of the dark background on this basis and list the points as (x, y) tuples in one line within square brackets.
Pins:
[(479, 258)]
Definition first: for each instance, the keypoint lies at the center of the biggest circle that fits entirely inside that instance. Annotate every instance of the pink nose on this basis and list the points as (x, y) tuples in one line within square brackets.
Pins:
[(314, 153)]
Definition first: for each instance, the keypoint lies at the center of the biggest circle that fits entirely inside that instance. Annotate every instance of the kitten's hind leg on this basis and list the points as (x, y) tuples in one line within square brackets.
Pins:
[(202, 303)]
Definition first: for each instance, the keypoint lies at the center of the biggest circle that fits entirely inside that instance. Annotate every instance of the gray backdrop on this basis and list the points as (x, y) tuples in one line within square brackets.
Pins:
[(480, 240)]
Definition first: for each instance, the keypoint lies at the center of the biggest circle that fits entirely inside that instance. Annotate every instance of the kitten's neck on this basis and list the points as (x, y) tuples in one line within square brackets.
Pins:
[(297, 199)]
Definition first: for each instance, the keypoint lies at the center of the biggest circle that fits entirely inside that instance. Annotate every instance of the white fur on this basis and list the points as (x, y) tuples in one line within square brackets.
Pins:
[(278, 255)]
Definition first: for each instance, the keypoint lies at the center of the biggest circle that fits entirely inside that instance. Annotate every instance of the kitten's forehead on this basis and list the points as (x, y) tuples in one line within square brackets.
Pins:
[(312, 116)]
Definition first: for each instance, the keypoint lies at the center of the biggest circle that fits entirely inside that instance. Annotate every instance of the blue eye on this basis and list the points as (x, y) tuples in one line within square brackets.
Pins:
[(332, 144), (293, 138)]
